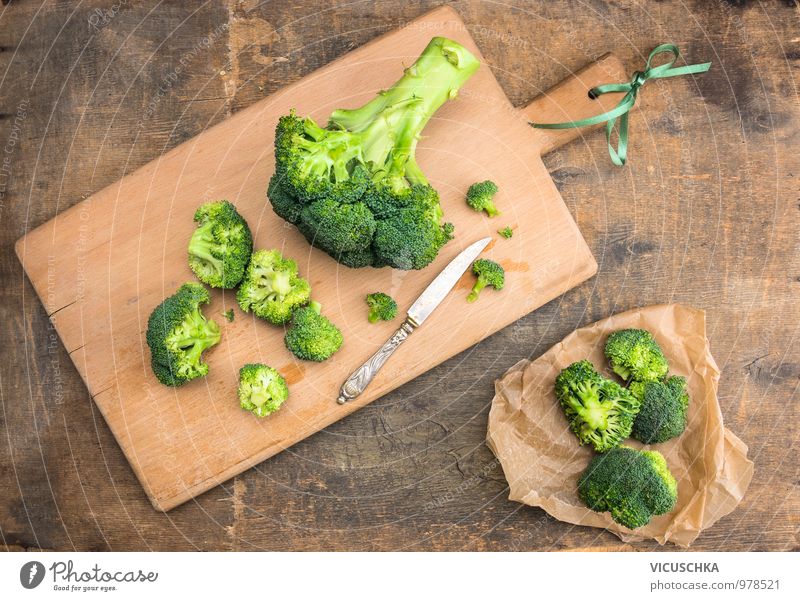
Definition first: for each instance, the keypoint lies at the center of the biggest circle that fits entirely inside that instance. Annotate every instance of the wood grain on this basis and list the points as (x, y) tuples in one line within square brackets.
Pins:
[(705, 214)]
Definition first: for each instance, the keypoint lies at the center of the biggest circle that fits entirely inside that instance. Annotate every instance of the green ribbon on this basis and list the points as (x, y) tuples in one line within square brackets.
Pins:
[(631, 89)]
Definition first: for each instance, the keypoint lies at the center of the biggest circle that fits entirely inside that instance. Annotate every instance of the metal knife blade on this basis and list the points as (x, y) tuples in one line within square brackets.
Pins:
[(443, 283)]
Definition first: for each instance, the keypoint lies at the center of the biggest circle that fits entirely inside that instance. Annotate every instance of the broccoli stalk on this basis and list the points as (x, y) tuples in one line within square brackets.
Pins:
[(488, 273), (271, 287), (178, 333), (382, 307), (312, 336), (480, 197), (220, 247), (262, 390), (354, 188)]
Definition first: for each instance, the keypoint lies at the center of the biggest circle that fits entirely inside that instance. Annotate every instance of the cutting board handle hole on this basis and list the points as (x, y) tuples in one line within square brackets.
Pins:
[(592, 95)]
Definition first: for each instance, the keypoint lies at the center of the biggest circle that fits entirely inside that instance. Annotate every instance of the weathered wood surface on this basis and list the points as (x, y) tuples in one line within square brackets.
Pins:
[(707, 214)]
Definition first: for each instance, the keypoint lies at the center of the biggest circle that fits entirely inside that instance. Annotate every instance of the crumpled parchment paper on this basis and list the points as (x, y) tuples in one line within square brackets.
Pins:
[(542, 460)]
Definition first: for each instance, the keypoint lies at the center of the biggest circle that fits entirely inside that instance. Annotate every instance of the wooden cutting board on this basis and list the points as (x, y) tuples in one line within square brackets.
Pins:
[(101, 266)]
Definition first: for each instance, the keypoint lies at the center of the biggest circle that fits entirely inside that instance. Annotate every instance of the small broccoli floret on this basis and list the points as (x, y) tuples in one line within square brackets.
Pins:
[(262, 390), (488, 273), (271, 287), (381, 307), (633, 485), (506, 232), (663, 409), (312, 336), (178, 333), (635, 355), (600, 412), (480, 197), (228, 315), (220, 247)]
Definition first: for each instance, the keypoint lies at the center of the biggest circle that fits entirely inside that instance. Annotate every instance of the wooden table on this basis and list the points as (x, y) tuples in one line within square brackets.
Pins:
[(707, 213)]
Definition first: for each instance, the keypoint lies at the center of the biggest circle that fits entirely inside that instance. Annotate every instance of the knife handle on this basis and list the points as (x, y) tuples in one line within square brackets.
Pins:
[(360, 378)]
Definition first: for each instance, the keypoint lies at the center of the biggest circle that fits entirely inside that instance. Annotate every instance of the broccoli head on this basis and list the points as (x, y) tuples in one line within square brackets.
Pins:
[(312, 336), (382, 307), (488, 273), (271, 287), (178, 333), (220, 247), (663, 409), (353, 188), (480, 197), (600, 412), (262, 390), (633, 485), (635, 355)]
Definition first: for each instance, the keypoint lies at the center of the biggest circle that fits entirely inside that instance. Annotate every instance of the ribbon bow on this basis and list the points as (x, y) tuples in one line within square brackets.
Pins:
[(631, 89)]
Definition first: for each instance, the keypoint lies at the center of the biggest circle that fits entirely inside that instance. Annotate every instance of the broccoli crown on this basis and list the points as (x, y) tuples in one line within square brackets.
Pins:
[(271, 287), (178, 333), (220, 247), (381, 307), (635, 355), (633, 485), (312, 336), (480, 197), (506, 232), (488, 273), (600, 412), (663, 409), (353, 188), (262, 390)]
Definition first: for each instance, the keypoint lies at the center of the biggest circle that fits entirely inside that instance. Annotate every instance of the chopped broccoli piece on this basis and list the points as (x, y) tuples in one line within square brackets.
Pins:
[(178, 333), (220, 247), (633, 485), (663, 409), (600, 412), (353, 188), (488, 273), (382, 307), (228, 315), (635, 355), (506, 232), (271, 287), (262, 390), (480, 197), (312, 336)]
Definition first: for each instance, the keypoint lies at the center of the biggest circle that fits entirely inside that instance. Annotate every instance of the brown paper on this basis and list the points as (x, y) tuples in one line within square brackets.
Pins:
[(542, 460)]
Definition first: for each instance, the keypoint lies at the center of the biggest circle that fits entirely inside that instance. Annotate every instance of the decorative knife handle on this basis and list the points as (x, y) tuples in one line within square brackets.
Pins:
[(360, 378)]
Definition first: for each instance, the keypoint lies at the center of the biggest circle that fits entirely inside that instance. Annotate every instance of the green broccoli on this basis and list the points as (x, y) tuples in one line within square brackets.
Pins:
[(271, 287), (382, 307), (354, 188), (506, 232), (488, 273), (262, 390), (600, 412), (312, 336), (228, 315), (635, 355), (480, 195), (633, 485), (178, 333), (663, 409), (220, 247)]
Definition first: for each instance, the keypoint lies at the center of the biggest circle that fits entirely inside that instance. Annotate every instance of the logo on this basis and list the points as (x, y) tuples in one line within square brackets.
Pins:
[(31, 574)]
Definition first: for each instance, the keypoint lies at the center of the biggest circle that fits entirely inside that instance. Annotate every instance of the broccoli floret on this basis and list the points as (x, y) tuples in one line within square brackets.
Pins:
[(312, 336), (635, 355), (600, 412), (262, 390), (381, 307), (506, 232), (633, 485), (228, 315), (480, 197), (353, 188), (488, 273), (220, 247), (663, 409), (271, 287), (178, 333)]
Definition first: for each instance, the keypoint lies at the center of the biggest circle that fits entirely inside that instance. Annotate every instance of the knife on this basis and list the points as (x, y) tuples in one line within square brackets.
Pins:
[(434, 294)]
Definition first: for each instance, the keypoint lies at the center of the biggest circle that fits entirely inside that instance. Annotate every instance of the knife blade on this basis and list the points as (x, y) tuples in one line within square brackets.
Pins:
[(419, 311)]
